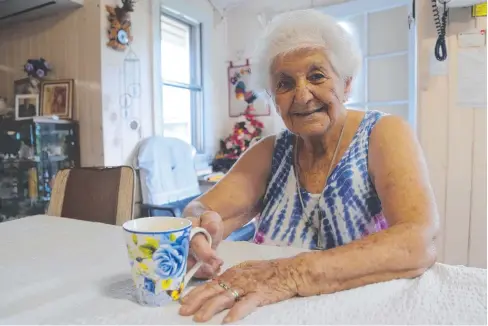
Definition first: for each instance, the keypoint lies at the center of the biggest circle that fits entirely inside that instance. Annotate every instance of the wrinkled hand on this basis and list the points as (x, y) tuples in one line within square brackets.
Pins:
[(257, 283), (212, 222)]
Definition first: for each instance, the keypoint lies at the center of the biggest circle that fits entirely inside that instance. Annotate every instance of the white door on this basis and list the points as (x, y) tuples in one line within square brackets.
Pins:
[(386, 35)]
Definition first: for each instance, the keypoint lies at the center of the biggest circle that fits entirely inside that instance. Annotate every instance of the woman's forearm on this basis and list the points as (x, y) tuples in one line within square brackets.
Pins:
[(402, 251), (231, 223)]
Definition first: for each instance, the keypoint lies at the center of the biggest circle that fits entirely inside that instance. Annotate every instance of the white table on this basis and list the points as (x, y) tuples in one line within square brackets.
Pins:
[(61, 271)]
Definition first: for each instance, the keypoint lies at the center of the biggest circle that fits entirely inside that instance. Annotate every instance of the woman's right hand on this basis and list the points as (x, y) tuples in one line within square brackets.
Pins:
[(201, 249)]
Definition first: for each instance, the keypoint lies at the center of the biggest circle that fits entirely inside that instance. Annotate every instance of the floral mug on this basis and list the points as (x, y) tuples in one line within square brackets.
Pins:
[(158, 251)]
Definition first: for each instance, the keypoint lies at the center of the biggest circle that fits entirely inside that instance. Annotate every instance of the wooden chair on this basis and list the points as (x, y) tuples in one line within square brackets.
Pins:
[(104, 195)]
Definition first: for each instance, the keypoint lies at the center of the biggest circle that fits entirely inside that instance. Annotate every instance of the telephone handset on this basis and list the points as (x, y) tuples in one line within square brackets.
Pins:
[(440, 21)]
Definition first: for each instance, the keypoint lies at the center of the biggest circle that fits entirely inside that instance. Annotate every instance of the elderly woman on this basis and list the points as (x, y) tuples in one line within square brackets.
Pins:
[(352, 185)]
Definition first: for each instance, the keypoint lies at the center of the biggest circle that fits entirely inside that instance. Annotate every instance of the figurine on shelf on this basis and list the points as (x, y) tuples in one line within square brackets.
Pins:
[(9, 147)]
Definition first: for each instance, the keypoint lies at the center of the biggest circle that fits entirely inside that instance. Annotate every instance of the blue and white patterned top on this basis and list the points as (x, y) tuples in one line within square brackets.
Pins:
[(349, 208)]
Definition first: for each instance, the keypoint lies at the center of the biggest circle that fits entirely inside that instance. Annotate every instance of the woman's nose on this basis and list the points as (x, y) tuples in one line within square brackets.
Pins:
[(303, 94)]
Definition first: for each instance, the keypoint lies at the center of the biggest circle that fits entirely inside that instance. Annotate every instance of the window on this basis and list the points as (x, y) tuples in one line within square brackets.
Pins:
[(181, 79), (386, 81)]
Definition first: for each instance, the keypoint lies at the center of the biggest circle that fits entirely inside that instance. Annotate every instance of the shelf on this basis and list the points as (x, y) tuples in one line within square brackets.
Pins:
[(54, 158)]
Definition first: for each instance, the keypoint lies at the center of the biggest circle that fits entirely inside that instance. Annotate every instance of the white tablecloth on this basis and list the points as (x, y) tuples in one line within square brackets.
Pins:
[(62, 271)]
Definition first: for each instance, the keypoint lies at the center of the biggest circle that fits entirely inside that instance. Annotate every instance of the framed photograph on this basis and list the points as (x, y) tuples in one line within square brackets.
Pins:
[(27, 85), (241, 97), (26, 106), (57, 98)]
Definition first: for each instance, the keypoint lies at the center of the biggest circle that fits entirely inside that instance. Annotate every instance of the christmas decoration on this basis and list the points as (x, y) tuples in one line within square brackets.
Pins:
[(245, 130)]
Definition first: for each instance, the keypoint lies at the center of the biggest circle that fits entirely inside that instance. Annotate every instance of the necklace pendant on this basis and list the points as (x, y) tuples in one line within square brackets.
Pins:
[(320, 241)]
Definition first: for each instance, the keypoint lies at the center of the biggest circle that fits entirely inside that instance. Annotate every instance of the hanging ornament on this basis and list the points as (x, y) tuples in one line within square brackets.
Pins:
[(132, 74)]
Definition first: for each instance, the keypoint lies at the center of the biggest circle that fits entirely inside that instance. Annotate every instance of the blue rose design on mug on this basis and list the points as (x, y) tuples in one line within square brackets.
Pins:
[(170, 258), (158, 259)]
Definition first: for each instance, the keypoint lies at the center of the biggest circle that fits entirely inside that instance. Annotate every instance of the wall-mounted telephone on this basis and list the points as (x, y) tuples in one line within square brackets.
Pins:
[(440, 21), (440, 11)]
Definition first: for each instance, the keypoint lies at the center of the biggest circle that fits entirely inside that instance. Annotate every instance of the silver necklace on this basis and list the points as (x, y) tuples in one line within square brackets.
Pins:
[(297, 177)]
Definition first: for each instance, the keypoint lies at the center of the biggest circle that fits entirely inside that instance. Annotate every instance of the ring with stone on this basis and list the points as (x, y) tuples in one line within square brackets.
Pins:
[(234, 293)]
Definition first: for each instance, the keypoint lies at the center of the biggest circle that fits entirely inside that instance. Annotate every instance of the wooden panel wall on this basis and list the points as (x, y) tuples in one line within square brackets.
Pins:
[(71, 43)]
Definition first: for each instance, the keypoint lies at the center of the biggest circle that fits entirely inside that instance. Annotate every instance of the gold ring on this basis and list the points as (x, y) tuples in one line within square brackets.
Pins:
[(235, 294), (223, 286)]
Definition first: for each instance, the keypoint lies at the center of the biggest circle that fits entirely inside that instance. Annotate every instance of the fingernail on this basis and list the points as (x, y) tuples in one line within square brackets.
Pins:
[(227, 320), (217, 262)]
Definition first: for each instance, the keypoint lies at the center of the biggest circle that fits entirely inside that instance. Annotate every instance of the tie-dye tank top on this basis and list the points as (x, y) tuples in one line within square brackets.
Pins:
[(348, 209)]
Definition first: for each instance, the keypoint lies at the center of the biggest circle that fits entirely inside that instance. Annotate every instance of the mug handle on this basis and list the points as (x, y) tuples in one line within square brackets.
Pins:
[(193, 270)]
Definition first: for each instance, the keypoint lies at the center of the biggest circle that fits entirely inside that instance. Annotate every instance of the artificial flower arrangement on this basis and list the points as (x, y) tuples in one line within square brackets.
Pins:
[(245, 130), (37, 68)]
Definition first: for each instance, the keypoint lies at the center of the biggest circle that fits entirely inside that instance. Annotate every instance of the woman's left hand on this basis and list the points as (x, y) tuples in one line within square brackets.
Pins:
[(241, 289)]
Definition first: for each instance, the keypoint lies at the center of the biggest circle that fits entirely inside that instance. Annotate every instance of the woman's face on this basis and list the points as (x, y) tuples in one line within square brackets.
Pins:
[(308, 93)]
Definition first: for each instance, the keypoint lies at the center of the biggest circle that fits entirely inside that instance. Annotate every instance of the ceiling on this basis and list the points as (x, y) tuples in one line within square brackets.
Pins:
[(226, 4), (223, 5)]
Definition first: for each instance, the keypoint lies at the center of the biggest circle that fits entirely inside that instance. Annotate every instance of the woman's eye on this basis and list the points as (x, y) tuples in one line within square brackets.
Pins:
[(284, 85), (316, 77)]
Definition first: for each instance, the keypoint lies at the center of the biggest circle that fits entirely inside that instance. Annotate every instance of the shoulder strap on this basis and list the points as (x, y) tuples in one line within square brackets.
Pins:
[(283, 142), (371, 118)]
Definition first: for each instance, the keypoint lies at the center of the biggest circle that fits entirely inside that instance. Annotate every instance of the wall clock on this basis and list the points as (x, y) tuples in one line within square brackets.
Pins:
[(119, 31)]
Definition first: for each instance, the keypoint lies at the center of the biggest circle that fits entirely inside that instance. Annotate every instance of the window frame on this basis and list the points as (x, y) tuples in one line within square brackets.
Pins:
[(195, 86), (358, 7)]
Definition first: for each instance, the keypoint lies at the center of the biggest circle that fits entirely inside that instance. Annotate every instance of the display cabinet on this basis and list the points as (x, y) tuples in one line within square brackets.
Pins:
[(31, 152)]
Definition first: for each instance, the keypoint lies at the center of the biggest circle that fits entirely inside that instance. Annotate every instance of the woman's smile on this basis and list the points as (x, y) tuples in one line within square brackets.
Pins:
[(309, 113)]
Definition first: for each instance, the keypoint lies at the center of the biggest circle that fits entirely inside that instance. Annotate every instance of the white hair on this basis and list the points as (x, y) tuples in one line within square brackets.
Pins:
[(300, 29)]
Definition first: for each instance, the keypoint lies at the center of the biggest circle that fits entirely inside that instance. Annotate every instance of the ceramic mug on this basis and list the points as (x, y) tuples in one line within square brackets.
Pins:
[(158, 250)]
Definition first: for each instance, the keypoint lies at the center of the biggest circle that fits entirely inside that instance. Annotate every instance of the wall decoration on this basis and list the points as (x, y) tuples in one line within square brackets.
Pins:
[(26, 106), (241, 98), (134, 125), (29, 85), (119, 31), (57, 98), (131, 74)]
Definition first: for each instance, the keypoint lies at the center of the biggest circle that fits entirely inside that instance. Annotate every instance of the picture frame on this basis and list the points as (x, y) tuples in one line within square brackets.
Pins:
[(28, 85), (241, 98), (26, 106), (57, 98)]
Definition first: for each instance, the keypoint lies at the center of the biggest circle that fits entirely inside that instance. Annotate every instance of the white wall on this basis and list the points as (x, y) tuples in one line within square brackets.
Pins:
[(118, 138)]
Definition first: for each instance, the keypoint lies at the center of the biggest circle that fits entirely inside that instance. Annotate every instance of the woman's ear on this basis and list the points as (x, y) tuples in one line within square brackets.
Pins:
[(347, 88)]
